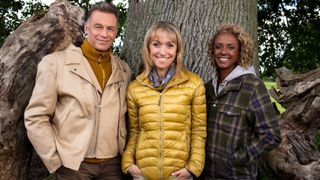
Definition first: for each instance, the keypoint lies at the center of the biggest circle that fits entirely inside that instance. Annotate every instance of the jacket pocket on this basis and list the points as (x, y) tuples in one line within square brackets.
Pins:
[(139, 154), (240, 156), (188, 141), (241, 164), (229, 118), (123, 132), (122, 140), (62, 116), (139, 141)]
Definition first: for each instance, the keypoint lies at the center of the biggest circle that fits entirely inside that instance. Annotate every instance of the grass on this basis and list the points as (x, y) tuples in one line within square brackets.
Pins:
[(270, 84)]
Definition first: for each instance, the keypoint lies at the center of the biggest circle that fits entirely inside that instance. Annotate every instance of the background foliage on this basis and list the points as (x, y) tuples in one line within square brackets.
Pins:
[(14, 12), (288, 32), (289, 35)]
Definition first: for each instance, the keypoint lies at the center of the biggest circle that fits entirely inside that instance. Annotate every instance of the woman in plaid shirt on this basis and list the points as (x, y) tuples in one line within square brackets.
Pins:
[(241, 121)]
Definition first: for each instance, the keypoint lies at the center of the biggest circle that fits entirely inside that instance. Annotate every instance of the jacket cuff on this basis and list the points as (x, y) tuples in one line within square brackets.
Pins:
[(54, 164), (126, 170)]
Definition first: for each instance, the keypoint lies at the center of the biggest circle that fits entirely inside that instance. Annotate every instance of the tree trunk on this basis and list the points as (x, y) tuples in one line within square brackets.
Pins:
[(23, 49), (297, 157), (197, 21)]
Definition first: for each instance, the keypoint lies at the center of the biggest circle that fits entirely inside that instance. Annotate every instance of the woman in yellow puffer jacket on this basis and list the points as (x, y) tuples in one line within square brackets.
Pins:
[(167, 112)]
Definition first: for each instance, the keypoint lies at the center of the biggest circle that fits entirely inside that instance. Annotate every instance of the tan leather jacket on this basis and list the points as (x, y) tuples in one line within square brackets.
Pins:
[(67, 103)]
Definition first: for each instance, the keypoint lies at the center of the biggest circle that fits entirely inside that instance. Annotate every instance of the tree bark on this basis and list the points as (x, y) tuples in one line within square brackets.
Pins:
[(297, 157), (38, 36), (197, 21)]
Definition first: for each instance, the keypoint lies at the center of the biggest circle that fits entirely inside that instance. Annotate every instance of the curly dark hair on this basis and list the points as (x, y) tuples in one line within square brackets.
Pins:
[(245, 42)]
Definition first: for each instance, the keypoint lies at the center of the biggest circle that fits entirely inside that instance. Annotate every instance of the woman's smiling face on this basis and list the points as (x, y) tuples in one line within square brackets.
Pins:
[(163, 51), (226, 51)]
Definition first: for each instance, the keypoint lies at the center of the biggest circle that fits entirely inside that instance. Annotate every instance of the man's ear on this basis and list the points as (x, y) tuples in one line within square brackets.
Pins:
[(85, 28)]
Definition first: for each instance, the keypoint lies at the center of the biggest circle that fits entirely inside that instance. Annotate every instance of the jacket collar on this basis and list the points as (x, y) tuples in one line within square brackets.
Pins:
[(79, 65), (236, 72), (178, 78), (233, 85), (94, 55)]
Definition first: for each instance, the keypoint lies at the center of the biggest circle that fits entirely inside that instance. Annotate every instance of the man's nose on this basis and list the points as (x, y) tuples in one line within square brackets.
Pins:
[(105, 32)]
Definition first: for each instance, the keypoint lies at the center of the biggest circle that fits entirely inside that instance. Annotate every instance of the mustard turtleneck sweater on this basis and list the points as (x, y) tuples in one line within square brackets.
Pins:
[(99, 61)]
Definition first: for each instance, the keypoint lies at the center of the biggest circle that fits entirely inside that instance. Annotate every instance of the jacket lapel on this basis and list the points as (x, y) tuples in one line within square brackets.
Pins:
[(114, 88), (80, 66), (209, 90), (117, 74)]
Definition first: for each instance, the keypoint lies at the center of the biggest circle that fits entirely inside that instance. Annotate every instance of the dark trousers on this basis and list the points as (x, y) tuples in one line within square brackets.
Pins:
[(109, 170)]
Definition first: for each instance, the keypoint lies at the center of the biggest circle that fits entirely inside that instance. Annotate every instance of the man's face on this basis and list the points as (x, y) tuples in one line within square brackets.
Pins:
[(101, 29)]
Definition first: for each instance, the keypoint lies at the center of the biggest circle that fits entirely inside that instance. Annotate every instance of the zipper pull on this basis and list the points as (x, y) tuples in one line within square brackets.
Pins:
[(99, 108), (160, 99), (99, 60)]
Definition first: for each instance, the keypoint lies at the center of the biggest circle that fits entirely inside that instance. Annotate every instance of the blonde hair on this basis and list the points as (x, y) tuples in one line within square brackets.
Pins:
[(245, 43), (169, 29)]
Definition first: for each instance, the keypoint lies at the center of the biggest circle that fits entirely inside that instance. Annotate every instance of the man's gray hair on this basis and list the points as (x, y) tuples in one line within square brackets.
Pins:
[(105, 7)]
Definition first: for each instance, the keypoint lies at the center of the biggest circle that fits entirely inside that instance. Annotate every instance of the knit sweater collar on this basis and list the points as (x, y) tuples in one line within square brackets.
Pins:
[(92, 54)]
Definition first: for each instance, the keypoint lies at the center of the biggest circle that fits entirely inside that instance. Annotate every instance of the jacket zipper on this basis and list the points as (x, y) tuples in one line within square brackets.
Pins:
[(97, 130), (96, 123), (102, 71), (97, 120), (159, 104)]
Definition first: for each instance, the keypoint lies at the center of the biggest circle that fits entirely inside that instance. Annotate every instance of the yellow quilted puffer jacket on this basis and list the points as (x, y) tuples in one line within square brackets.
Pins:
[(168, 128)]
